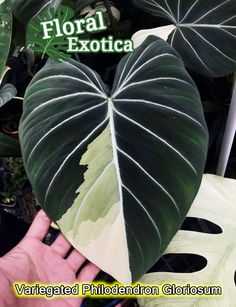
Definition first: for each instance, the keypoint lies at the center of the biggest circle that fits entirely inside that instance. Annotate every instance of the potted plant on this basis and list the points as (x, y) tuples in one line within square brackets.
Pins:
[(115, 145)]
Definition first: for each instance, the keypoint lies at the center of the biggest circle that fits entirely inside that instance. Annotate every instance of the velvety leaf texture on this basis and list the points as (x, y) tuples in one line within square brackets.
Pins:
[(116, 169), (205, 32)]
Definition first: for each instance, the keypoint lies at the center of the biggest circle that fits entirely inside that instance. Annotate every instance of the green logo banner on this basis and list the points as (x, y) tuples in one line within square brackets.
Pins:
[(57, 34)]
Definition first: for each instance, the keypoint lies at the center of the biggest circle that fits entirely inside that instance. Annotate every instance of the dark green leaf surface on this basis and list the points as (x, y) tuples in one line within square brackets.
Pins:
[(117, 169), (25, 10), (205, 33), (9, 147)]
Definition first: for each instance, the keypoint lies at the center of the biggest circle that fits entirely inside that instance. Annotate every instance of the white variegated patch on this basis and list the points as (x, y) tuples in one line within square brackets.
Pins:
[(162, 32), (100, 236)]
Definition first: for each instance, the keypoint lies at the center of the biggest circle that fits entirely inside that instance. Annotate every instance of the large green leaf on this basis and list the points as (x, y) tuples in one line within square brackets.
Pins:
[(116, 169), (5, 32), (216, 203), (9, 147), (204, 32)]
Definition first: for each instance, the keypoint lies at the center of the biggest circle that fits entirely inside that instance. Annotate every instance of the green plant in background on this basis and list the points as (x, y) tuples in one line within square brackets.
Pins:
[(9, 146), (13, 182), (199, 31), (7, 92), (5, 32), (26, 10)]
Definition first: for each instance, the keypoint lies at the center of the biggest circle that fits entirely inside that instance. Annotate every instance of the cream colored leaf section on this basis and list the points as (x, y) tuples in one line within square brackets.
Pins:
[(216, 202), (95, 223), (163, 32)]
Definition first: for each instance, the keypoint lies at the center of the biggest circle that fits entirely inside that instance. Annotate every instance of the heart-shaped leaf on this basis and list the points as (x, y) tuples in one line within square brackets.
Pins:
[(204, 33), (5, 33), (117, 170)]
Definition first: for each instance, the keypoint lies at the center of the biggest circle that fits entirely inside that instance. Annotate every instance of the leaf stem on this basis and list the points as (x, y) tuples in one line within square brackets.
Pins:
[(18, 98), (111, 18)]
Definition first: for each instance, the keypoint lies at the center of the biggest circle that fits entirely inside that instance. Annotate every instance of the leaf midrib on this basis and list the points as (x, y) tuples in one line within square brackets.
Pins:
[(202, 25), (114, 146)]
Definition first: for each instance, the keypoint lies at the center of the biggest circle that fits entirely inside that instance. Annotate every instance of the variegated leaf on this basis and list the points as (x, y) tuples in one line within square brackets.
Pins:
[(215, 203), (116, 169)]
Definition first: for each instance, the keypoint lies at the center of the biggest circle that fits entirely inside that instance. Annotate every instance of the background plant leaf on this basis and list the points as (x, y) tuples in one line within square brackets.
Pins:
[(81, 4), (204, 33), (7, 92), (25, 10), (106, 164), (54, 47), (5, 33), (216, 202)]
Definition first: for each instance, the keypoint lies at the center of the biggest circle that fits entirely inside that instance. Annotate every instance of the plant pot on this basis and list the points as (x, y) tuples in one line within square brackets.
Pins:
[(9, 205), (8, 126), (14, 134)]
